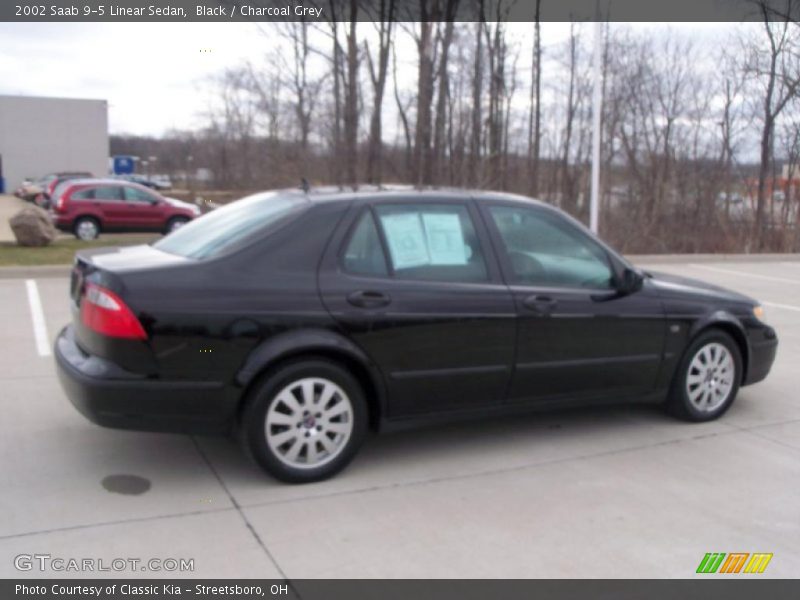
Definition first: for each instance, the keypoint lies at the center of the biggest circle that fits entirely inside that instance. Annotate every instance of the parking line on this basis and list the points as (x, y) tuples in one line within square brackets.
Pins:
[(783, 306), (37, 318), (745, 274)]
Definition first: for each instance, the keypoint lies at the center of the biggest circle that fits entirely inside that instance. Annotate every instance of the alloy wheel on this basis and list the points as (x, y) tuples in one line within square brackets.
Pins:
[(309, 423), (710, 379), (87, 230)]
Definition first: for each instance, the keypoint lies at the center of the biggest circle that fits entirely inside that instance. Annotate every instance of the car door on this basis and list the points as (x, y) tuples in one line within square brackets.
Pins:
[(109, 201), (143, 208), (578, 338), (415, 286)]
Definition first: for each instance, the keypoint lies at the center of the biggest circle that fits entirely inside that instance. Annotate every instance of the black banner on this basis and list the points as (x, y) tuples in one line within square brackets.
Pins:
[(325, 589), (406, 10)]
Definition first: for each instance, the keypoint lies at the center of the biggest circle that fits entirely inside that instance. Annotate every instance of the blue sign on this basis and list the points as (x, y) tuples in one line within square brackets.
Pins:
[(124, 165)]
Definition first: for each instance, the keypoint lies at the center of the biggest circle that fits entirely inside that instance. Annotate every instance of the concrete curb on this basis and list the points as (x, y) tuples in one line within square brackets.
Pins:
[(35, 272), (692, 258), (44, 271)]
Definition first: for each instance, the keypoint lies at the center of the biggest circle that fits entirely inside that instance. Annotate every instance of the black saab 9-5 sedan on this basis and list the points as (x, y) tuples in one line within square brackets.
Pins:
[(300, 319)]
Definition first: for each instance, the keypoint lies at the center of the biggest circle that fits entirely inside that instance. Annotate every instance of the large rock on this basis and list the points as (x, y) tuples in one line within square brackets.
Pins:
[(32, 227)]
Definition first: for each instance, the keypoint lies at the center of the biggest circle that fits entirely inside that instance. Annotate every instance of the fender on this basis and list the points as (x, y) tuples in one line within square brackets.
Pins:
[(733, 325), (309, 341)]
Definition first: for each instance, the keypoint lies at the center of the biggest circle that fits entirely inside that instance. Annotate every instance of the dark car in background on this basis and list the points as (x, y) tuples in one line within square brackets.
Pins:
[(86, 207), (160, 184), (301, 319)]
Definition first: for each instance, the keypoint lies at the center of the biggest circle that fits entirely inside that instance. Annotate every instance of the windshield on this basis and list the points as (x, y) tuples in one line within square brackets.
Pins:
[(222, 229)]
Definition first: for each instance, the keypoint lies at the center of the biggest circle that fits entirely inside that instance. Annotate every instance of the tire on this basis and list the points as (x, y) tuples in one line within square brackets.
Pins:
[(86, 228), (294, 442), (175, 223), (703, 393)]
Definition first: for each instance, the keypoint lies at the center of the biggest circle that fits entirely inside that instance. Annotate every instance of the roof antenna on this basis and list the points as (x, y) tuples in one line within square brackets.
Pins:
[(304, 185)]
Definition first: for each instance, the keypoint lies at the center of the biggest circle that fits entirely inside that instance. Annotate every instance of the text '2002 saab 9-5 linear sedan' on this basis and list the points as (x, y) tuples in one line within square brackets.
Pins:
[(300, 319)]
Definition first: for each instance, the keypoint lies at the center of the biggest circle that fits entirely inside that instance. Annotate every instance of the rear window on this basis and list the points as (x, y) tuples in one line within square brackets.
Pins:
[(60, 189), (225, 228)]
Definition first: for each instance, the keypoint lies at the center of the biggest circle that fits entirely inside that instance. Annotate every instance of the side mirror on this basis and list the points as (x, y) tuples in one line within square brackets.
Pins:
[(630, 282)]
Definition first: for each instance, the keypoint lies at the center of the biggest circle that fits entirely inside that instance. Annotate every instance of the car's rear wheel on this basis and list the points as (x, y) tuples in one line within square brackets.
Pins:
[(305, 421), (86, 228), (176, 223), (707, 379)]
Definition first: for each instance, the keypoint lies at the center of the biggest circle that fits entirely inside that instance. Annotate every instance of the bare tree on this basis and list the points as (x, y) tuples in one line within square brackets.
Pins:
[(378, 70), (351, 98), (535, 113), (773, 61)]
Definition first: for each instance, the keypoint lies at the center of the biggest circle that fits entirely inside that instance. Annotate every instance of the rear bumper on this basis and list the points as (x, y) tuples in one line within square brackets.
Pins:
[(112, 397), (60, 222), (763, 347)]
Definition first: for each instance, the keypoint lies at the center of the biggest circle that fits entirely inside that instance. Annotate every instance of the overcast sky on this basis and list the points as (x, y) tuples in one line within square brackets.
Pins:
[(155, 76)]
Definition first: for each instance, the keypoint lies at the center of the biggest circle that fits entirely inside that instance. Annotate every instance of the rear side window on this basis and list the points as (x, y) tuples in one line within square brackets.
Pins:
[(224, 228), (432, 242), (108, 192), (84, 194), (364, 253)]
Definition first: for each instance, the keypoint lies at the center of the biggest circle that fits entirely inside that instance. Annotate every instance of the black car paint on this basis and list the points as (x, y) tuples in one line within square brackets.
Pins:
[(435, 351)]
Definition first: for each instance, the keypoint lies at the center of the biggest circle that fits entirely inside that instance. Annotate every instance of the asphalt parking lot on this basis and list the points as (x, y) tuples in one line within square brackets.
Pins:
[(611, 492)]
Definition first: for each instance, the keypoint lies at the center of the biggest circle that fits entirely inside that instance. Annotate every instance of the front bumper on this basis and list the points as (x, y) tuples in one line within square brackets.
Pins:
[(763, 347), (110, 396)]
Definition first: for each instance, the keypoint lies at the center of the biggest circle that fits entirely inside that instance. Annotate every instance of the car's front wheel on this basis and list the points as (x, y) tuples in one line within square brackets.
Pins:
[(305, 421), (707, 379)]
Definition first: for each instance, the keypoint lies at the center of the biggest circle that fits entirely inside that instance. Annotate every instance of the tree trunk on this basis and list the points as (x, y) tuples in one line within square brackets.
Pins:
[(535, 120), (351, 99), (422, 134), (477, 97), (375, 145)]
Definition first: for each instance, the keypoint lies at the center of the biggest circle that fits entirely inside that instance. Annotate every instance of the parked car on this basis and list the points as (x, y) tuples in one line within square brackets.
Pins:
[(88, 206), (29, 189), (50, 182), (160, 184), (301, 319)]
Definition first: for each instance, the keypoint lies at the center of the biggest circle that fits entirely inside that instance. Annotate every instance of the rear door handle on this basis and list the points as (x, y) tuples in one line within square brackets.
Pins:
[(368, 299), (540, 304)]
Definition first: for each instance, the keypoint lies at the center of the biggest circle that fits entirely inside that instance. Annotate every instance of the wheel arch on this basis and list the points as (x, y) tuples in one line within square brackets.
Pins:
[(320, 344), (731, 325), (87, 215)]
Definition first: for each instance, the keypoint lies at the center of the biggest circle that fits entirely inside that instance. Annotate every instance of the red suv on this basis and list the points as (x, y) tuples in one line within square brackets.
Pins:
[(88, 206)]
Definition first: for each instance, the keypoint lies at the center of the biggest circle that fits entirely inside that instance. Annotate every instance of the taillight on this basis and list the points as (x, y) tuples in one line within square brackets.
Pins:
[(105, 312), (60, 202)]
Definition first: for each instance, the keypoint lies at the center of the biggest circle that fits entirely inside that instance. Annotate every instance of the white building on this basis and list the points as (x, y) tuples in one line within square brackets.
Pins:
[(47, 135)]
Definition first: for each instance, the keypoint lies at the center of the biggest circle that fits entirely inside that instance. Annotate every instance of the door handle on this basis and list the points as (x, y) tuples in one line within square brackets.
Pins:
[(540, 304), (368, 299)]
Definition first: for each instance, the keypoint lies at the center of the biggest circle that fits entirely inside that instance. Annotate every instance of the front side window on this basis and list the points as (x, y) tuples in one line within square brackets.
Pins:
[(432, 242), (364, 253), (546, 250), (133, 194)]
